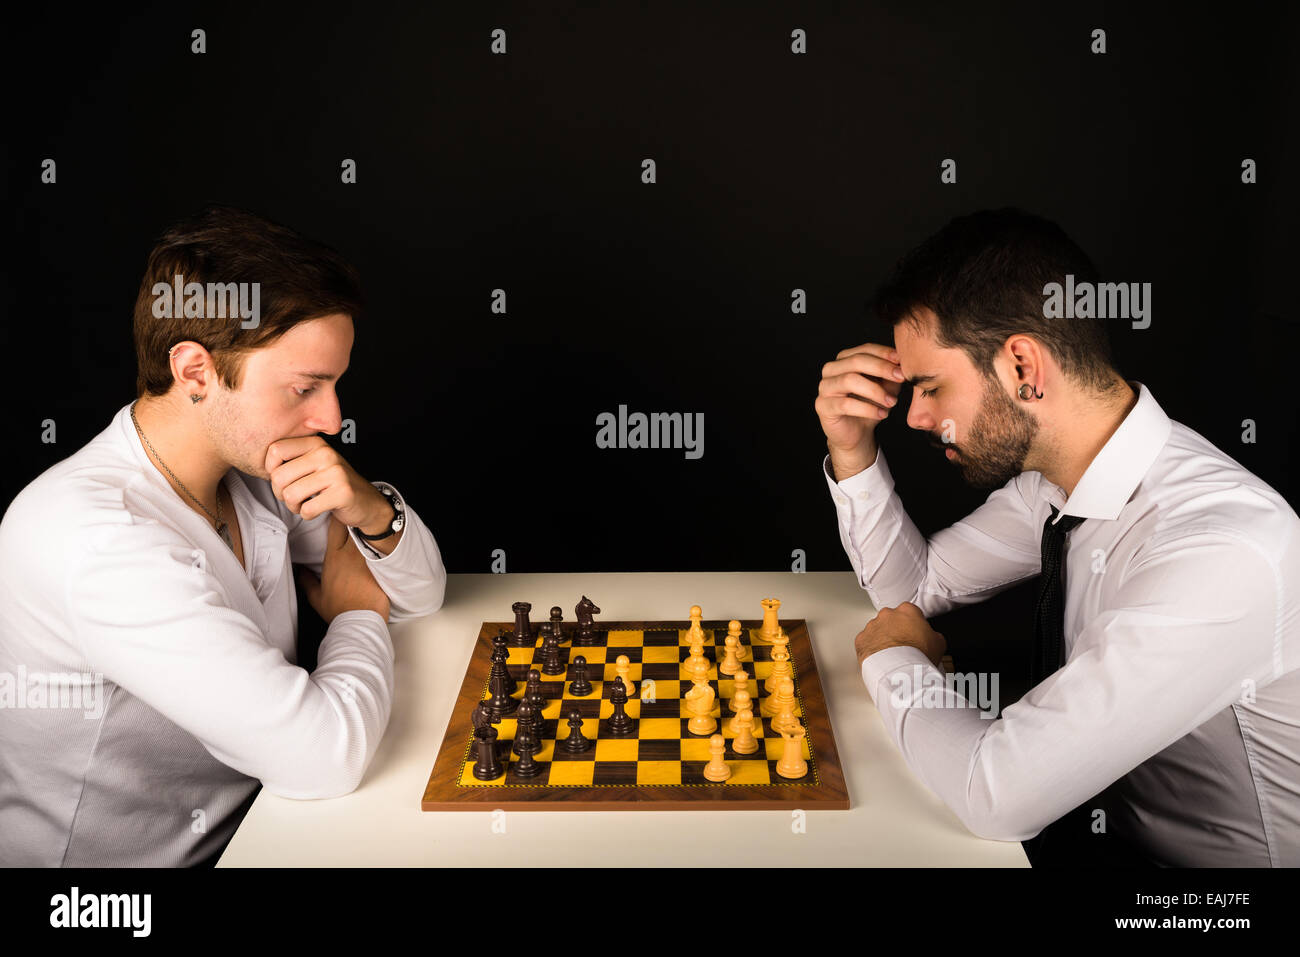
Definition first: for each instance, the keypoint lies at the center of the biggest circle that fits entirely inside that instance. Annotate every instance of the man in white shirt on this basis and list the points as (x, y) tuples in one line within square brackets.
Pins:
[(1178, 702), (148, 617)]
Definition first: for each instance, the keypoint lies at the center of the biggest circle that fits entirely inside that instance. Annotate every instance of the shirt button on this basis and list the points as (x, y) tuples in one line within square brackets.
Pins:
[(863, 496)]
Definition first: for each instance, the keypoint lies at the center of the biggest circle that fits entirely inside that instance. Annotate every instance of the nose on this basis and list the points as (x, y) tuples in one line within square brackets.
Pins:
[(326, 415), (916, 418)]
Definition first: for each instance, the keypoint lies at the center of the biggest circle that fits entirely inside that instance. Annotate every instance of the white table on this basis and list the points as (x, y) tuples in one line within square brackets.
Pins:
[(894, 819)]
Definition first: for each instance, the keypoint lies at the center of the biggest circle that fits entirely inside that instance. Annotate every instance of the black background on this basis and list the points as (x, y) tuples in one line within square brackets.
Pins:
[(775, 171)]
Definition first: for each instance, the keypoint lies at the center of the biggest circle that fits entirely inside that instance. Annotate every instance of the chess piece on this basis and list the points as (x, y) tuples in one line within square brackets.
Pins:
[(781, 669), (524, 737), (743, 724), (522, 636), (622, 667), (699, 702), (740, 699), (551, 665), (557, 623), (731, 663), (695, 631), (586, 624), (486, 765), (576, 743), (697, 666), (620, 724), (500, 684), (771, 626), (716, 770), (792, 764), (580, 686), (735, 630), (785, 705), (533, 695)]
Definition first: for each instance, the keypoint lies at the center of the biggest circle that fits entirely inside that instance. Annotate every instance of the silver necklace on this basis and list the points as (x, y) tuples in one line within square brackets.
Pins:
[(222, 528)]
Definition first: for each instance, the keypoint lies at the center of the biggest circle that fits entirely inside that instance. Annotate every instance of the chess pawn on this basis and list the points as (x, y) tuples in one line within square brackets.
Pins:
[(697, 666), (576, 742), (771, 626), (524, 738), (735, 630), (785, 705), (699, 702), (696, 630), (792, 764), (620, 722), (743, 725), (557, 619), (740, 700), (716, 770), (622, 667), (731, 663), (780, 668), (580, 686)]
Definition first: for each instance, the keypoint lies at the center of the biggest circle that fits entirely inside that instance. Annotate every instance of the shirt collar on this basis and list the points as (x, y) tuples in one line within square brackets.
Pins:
[(1115, 472)]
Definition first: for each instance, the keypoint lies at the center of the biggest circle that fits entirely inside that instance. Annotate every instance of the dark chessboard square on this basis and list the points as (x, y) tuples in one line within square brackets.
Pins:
[(604, 731), (693, 772), (761, 653), (659, 639), (708, 651), (552, 689), (586, 708), (559, 754), (615, 772), (663, 708), (661, 672), (665, 750)]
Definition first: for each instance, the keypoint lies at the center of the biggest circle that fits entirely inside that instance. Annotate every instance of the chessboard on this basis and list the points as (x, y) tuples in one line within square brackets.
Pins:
[(650, 759)]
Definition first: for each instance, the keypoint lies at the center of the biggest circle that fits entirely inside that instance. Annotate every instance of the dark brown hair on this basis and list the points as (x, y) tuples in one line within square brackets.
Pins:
[(982, 275), (299, 280)]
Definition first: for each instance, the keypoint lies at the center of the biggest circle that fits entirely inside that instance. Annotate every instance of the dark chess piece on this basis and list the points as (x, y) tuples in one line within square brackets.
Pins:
[(586, 624), (620, 724), (580, 686), (533, 695), (526, 745), (557, 622), (551, 655), (524, 729), (576, 743), (486, 765), (500, 684), (522, 636)]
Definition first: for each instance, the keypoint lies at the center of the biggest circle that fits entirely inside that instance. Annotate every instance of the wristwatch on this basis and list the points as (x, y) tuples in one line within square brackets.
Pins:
[(399, 517)]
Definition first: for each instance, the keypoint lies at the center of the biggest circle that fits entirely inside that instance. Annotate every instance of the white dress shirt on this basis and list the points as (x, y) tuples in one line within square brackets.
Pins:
[(109, 580), (1182, 642)]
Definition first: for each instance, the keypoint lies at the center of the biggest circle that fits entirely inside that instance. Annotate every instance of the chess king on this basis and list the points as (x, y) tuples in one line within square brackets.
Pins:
[(1168, 575), (161, 554)]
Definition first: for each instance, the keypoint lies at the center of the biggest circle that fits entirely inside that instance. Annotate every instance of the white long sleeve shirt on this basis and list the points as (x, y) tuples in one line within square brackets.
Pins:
[(147, 680), (1182, 632)]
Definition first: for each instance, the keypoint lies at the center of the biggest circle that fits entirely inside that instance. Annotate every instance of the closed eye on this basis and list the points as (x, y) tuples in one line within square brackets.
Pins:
[(926, 393), (302, 392)]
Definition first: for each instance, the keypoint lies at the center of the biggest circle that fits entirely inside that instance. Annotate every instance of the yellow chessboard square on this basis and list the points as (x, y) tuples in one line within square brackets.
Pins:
[(660, 728), (632, 708), (749, 772), (776, 747), (520, 656), (506, 729), (594, 656), (616, 749), (467, 778), (652, 690), (633, 670), (762, 669), (553, 708), (659, 772), (572, 772), (695, 749), (547, 750), (660, 655), (625, 639)]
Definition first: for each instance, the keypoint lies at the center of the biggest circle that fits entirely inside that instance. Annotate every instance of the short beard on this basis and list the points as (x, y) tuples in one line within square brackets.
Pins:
[(999, 440)]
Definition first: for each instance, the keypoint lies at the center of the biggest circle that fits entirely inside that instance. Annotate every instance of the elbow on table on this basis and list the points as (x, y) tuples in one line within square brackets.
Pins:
[(319, 785), (1014, 822)]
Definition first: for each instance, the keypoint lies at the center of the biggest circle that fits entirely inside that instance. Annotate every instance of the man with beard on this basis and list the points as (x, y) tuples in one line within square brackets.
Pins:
[(1165, 707)]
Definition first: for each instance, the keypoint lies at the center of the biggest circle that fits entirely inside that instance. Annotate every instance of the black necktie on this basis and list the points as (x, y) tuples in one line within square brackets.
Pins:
[(1049, 615)]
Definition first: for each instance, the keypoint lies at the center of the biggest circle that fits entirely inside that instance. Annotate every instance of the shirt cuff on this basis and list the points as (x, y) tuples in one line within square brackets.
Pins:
[(883, 663), (874, 483)]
